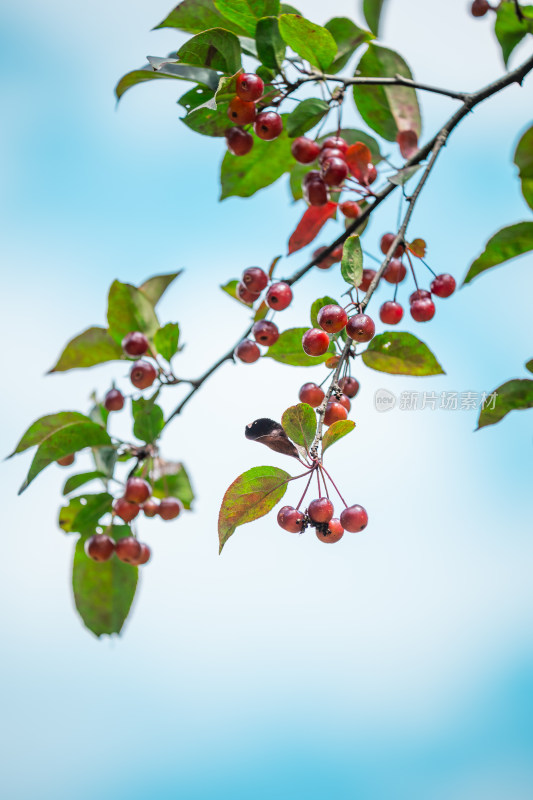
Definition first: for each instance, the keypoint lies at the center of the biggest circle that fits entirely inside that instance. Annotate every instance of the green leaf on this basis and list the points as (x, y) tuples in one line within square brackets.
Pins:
[(336, 431), (44, 427), (285, 8), (348, 37), (195, 16), (509, 29), (264, 164), (252, 495), (105, 459), (129, 309), (386, 109), (372, 10), (317, 305), (83, 513), (93, 346), (62, 443), (306, 115), (299, 423), (288, 350), (523, 158), (401, 354), (148, 419), (270, 45), (170, 70), (262, 311), (506, 244), (515, 395), (245, 13), (211, 117), (312, 42), (171, 480), (137, 76), (75, 481), (215, 48), (352, 261), (529, 365), (170, 67), (103, 591), (231, 288), (166, 340), (155, 287), (401, 177)]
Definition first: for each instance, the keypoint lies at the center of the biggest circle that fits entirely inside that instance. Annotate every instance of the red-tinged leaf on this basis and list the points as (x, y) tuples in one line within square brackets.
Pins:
[(359, 158), (417, 248), (273, 266), (336, 431), (408, 143), (261, 312), (310, 225)]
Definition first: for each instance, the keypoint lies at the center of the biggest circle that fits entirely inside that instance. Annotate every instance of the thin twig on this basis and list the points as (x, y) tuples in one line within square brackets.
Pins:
[(397, 80)]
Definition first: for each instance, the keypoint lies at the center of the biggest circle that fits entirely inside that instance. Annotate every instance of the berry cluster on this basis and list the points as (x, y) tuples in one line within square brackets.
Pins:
[(101, 547), (278, 297), (339, 403), (319, 515), (243, 111)]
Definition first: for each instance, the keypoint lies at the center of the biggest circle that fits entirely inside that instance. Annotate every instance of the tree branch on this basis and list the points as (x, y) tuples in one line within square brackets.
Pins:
[(397, 80)]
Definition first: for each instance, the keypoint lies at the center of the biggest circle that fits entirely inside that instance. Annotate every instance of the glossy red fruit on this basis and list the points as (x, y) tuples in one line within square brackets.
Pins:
[(268, 125), (332, 318), (137, 490), (391, 312), (368, 277), (335, 411), (354, 519), (255, 279), (316, 193), (419, 294), (330, 152), (350, 209), (335, 141), (142, 374), (479, 8), (311, 394), (310, 177), (335, 532), (386, 243), (247, 351), (245, 294), (145, 554), (344, 400), (241, 112), (66, 461), (128, 550), (135, 344), (170, 508), (334, 172), (114, 400), (290, 519), (125, 510), (100, 547), (279, 296), (151, 508), (443, 285), (239, 142), (361, 328), (395, 272), (249, 86), (423, 310), (315, 342), (320, 510), (350, 386), (304, 150), (265, 332)]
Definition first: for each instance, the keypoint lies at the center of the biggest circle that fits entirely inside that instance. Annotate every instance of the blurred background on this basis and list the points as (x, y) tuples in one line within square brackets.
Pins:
[(398, 664)]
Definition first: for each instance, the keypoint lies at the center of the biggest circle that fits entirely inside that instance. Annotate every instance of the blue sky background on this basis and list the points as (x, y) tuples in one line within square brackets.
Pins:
[(398, 664)]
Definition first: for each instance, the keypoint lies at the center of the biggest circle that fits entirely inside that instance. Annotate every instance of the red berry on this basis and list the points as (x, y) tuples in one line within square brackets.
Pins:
[(479, 8), (304, 150), (335, 532), (344, 400), (135, 344), (391, 312), (330, 152), (125, 510), (423, 310), (241, 112), (335, 411), (351, 210), (137, 490), (268, 125), (360, 328), (245, 294), (386, 242), (239, 142), (315, 342), (150, 508), (145, 554), (316, 193), (170, 508), (66, 461), (368, 277), (350, 386), (128, 550), (265, 332), (320, 510), (443, 285), (249, 86), (142, 374), (354, 519), (334, 172), (290, 519), (279, 296), (395, 272), (310, 177), (100, 547), (332, 318), (419, 294), (114, 400), (255, 279), (335, 141), (247, 351), (311, 394)]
